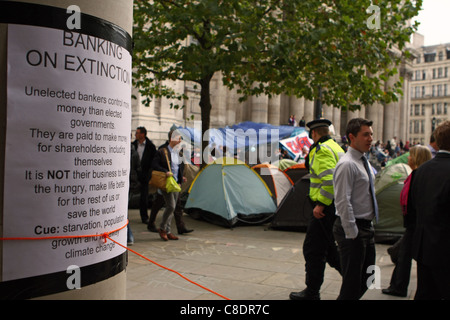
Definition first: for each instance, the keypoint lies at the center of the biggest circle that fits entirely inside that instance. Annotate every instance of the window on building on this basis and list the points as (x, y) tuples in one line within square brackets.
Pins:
[(434, 73), (422, 126), (429, 57), (440, 73), (439, 108), (418, 60), (433, 90), (417, 75), (445, 89), (448, 53), (424, 75), (445, 72), (417, 92), (441, 56), (445, 108), (439, 90), (416, 126), (423, 91), (423, 109), (417, 109), (432, 109)]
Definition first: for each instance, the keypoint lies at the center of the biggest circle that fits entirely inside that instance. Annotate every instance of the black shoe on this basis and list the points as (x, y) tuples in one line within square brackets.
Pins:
[(184, 230), (152, 228), (145, 221), (393, 292), (305, 294)]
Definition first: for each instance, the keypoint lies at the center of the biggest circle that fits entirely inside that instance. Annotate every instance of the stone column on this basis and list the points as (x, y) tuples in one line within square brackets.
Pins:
[(372, 115), (274, 110), (309, 110), (296, 107), (259, 108), (352, 114), (109, 282), (381, 125), (405, 102), (232, 105), (327, 112), (389, 117), (337, 122)]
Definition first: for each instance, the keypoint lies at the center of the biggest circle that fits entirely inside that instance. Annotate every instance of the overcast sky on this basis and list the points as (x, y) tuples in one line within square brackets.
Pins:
[(434, 21)]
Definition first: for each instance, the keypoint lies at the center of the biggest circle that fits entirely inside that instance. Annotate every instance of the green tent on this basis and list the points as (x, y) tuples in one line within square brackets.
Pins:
[(400, 159), (388, 185), (228, 191), (283, 164)]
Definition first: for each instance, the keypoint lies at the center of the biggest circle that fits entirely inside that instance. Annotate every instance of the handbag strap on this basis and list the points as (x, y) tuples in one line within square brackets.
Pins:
[(167, 158)]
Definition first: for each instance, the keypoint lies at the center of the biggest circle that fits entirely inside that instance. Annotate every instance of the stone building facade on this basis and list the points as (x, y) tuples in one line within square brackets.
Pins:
[(390, 120), (430, 91)]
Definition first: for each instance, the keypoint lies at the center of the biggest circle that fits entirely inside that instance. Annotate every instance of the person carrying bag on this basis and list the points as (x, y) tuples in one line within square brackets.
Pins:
[(167, 161), (161, 181)]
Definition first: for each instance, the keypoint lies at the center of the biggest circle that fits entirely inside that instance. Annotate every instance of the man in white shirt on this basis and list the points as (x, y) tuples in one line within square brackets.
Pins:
[(356, 207)]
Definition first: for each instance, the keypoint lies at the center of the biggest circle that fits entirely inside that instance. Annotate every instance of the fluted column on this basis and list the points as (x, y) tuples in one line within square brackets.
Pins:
[(274, 110), (296, 107), (309, 110), (259, 108), (390, 112)]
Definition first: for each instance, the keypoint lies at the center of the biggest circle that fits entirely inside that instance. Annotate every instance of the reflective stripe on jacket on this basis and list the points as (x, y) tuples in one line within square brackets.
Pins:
[(322, 161)]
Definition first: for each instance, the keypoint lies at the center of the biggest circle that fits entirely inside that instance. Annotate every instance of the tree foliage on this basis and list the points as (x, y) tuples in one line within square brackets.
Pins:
[(273, 47)]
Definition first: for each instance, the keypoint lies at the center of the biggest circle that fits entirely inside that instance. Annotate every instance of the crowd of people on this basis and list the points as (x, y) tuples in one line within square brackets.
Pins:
[(293, 122), (347, 220), (145, 158), (341, 230)]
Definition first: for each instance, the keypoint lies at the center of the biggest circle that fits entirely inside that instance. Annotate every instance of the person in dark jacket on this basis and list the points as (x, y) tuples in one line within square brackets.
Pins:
[(429, 200), (167, 159), (146, 150), (400, 277), (158, 203)]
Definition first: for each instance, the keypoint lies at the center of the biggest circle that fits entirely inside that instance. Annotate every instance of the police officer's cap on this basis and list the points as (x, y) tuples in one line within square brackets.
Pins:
[(318, 123)]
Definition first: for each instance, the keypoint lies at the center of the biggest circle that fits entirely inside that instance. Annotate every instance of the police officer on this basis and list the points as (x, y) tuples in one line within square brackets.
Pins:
[(319, 246)]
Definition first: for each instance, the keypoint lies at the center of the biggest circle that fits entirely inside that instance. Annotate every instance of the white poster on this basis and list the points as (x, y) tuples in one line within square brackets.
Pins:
[(67, 150), (294, 145)]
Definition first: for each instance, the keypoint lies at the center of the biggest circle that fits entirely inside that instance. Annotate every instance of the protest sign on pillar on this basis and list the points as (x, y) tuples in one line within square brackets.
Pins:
[(66, 147)]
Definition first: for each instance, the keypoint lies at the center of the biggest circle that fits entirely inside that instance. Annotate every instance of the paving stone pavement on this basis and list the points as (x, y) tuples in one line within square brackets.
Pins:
[(242, 263)]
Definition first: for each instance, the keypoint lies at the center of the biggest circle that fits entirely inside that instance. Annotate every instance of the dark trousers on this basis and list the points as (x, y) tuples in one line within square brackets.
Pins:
[(402, 271), (433, 282), (357, 255), (143, 200), (158, 203), (319, 248)]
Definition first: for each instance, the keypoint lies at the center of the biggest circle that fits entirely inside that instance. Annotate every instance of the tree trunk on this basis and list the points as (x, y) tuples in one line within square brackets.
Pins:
[(205, 106)]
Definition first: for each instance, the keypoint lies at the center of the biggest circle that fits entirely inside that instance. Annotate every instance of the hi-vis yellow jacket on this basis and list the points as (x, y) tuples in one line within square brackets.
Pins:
[(322, 161)]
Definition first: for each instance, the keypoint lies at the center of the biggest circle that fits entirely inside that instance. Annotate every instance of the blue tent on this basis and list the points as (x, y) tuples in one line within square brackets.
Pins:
[(227, 191), (242, 135)]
